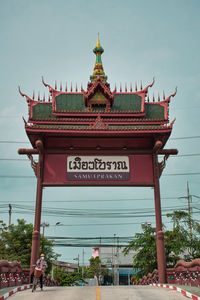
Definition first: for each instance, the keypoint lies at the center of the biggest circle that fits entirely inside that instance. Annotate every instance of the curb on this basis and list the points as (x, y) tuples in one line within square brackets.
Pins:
[(17, 289), (172, 287)]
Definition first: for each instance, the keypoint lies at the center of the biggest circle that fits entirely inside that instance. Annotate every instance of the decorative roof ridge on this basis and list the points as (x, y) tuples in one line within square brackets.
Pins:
[(169, 97), (129, 93), (99, 124), (26, 124), (93, 86), (164, 101), (172, 123), (136, 92), (105, 129), (28, 99), (145, 90), (32, 100), (57, 91), (47, 85)]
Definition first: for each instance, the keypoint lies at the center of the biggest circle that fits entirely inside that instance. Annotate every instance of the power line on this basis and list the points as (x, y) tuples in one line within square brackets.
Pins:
[(180, 174), (85, 245), (89, 238), (92, 210), (97, 200), (19, 159), (96, 213), (185, 155), (14, 142), (17, 176), (186, 137)]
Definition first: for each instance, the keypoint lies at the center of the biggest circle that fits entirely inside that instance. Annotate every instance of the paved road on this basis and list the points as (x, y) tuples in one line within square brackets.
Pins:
[(100, 293)]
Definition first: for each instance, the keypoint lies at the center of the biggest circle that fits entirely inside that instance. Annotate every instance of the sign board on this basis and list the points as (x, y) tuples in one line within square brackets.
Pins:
[(102, 170), (98, 168)]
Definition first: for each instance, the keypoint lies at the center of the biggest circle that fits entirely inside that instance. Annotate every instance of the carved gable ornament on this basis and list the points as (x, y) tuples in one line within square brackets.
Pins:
[(98, 124)]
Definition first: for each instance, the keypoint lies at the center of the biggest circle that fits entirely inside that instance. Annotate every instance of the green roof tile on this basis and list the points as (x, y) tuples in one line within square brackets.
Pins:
[(42, 110), (70, 102), (127, 102), (75, 102), (154, 111)]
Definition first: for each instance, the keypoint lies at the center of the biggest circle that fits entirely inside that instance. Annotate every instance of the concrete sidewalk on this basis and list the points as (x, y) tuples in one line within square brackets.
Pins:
[(191, 289), (6, 290)]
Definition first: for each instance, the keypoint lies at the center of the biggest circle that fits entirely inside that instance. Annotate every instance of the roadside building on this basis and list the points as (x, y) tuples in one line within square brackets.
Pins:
[(65, 266), (120, 266)]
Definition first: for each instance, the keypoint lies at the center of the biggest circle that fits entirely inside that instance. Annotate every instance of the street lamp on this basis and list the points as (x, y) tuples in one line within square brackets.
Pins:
[(56, 224), (146, 224)]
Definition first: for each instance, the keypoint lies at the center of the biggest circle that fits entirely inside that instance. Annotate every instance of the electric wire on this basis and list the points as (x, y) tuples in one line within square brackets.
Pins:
[(98, 213), (105, 200)]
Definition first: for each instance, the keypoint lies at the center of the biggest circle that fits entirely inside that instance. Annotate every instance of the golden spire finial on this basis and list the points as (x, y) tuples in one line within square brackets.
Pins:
[(98, 68), (98, 42)]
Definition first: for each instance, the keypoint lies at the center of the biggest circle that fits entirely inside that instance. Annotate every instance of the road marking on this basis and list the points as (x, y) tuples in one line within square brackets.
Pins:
[(98, 294)]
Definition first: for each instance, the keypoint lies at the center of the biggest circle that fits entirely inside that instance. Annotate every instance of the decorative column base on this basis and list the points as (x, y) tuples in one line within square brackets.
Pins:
[(161, 256), (35, 249)]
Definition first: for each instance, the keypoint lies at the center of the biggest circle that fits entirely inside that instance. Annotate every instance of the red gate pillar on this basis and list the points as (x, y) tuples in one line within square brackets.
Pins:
[(161, 260), (38, 209)]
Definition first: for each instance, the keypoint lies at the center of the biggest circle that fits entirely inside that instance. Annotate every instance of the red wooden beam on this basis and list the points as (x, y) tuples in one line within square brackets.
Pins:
[(23, 151)]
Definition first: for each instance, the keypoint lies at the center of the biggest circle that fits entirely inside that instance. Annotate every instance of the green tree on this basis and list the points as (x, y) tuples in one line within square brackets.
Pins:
[(66, 279), (96, 269), (17, 242), (144, 244), (183, 238), (180, 243), (3, 228)]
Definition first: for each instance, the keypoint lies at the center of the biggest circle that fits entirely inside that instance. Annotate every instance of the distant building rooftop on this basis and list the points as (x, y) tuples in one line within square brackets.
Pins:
[(66, 266)]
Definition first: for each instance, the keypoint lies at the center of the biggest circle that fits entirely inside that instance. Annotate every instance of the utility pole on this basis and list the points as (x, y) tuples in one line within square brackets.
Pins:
[(83, 264), (43, 225), (10, 213), (117, 281), (189, 200), (114, 273), (112, 268), (189, 210), (78, 262), (78, 259)]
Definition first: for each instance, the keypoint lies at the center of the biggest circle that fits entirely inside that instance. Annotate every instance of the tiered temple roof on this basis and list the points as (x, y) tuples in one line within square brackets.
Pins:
[(98, 109)]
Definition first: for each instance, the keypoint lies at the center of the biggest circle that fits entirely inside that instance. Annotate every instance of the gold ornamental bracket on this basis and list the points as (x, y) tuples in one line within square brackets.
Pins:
[(34, 164)]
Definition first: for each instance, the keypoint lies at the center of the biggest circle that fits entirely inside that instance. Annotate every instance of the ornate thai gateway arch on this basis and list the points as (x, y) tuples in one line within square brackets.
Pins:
[(98, 137)]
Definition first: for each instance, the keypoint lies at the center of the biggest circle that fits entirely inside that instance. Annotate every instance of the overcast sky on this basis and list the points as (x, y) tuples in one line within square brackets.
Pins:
[(141, 39)]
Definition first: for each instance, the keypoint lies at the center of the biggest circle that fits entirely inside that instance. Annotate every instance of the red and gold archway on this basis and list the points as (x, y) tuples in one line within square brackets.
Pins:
[(98, 137)]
